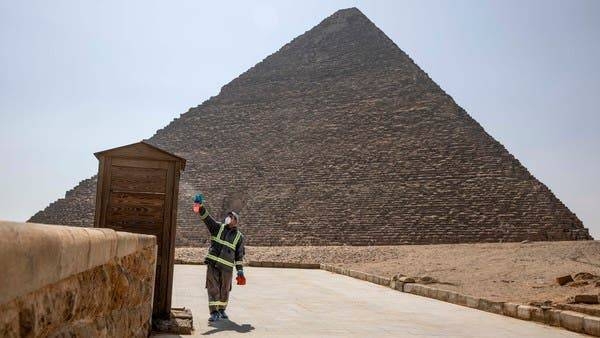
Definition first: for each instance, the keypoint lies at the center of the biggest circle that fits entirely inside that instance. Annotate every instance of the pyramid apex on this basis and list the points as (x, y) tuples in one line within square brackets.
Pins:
[(349, 11)]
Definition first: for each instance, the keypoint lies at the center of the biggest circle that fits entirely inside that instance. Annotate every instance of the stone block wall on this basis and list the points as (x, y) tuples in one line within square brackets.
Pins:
[(339, 138), (60, 281)]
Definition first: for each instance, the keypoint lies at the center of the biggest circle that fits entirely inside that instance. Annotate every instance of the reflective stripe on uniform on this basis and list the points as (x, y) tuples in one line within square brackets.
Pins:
[(204, 214), (221, 228), (220, 260), (218, 239), (216, 303), (239, 262), (237, 238)]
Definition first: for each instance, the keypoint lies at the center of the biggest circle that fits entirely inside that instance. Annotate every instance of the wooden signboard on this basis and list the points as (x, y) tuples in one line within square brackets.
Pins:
[(137, 191)]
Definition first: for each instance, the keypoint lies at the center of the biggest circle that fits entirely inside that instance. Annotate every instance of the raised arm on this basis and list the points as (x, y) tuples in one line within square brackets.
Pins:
[(199, 208)]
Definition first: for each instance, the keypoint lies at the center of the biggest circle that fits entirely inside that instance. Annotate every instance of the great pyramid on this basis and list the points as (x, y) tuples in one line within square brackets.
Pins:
[(340, 138)]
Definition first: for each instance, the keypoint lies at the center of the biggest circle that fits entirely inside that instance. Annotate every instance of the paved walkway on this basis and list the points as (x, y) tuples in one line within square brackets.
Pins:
[(299, 303)]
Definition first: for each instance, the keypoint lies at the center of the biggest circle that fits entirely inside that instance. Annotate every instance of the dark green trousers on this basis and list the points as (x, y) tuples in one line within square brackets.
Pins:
[(218, 285)]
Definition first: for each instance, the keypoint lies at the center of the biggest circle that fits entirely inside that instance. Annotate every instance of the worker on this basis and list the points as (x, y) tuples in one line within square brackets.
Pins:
[(226, 252)]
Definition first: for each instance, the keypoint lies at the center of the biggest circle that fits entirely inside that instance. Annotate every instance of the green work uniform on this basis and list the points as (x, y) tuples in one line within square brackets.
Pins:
[(226, 252)]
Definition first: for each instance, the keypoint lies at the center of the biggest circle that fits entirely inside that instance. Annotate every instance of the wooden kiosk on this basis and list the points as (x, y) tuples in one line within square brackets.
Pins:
[(138, 186)]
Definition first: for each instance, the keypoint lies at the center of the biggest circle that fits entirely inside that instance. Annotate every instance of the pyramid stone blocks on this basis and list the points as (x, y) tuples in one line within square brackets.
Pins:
[(340, 138)]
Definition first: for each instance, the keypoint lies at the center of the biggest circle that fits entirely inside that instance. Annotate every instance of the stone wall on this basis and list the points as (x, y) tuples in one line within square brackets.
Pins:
[(340, 138), (60, 281)]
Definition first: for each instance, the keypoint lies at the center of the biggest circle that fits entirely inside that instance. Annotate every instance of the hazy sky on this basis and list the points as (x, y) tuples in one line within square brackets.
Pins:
[(77, 77)]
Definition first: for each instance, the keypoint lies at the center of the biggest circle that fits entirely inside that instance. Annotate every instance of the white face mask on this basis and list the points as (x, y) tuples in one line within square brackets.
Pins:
[(227, 220)]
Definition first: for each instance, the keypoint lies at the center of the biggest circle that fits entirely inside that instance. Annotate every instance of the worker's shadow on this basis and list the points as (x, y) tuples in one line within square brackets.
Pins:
[(228, 325)]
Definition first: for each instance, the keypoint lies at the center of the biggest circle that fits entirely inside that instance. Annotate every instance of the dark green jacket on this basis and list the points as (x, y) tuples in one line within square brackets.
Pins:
[(226, 245)]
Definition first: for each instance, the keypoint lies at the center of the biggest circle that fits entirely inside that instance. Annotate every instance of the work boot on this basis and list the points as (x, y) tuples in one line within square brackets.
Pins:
[(223, 314), (214, 316)]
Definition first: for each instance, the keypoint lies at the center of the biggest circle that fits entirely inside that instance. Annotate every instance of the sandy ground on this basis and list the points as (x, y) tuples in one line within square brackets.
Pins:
[(518, 272)]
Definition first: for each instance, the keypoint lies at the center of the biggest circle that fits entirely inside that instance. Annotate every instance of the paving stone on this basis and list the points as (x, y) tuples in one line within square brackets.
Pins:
[(461, 299), (442, 295), (572, 320), (553, 317), (510, 309), (473, 302), (524, 312), (591, 325), (397, 285), (538, 314), (490, 306), (453, 297)]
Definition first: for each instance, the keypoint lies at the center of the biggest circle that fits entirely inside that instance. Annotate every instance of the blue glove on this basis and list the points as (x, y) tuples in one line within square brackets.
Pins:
[(240, 273)]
